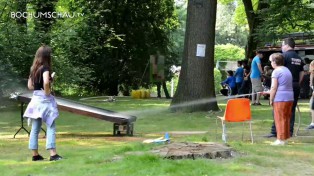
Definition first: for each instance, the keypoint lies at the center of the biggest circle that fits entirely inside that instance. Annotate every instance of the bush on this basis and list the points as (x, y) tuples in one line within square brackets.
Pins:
[(217, 77), (229, 52)]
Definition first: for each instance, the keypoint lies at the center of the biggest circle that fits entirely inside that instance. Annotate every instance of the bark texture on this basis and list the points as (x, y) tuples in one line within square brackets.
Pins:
[(196, 90)]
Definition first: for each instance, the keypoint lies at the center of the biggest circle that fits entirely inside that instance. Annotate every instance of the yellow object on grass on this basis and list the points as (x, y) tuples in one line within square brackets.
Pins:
[(140, 94)]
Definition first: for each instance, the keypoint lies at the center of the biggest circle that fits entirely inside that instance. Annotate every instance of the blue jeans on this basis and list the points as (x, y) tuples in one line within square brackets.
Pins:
[(50, 138)]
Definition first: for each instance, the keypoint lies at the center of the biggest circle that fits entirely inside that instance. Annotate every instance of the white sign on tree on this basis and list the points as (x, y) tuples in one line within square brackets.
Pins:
[(200, 51)]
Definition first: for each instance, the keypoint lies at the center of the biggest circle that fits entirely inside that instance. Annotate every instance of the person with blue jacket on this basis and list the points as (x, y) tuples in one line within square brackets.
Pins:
[(239, 76), (230, 81)]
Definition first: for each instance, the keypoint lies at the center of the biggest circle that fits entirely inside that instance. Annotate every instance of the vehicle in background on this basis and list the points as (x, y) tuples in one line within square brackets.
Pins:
[(304, 47)]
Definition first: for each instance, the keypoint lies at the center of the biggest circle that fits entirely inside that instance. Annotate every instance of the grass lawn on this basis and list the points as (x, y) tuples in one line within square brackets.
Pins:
[(89, 148)]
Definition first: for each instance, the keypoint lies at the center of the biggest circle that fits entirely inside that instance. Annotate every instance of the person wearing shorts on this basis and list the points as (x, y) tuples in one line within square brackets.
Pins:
[(256, 72)]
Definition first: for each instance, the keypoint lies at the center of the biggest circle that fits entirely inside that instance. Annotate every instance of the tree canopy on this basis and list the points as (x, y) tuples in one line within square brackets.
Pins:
[(100, 52)]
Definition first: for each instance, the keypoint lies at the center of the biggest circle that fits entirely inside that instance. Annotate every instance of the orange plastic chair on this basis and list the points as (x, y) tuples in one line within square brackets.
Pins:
[(237, 110)]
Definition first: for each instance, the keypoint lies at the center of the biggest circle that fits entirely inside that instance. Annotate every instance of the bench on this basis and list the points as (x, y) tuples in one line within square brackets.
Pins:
[(121, 123)]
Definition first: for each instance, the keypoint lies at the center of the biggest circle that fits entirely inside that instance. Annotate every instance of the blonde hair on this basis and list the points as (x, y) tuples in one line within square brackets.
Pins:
[(312, 67)]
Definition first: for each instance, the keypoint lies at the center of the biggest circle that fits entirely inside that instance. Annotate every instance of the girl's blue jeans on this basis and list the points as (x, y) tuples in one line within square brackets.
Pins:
[(50, 138)]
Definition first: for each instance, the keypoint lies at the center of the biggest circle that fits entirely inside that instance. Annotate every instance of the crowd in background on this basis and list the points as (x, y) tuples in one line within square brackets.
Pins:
[(287, 79)]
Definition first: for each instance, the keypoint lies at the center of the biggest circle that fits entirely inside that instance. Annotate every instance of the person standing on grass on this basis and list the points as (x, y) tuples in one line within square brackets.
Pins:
[(43, 107), (305, 86), (311, 70), (239, 76), (281, 97), (246, 83), (255, 75), (295, 64)]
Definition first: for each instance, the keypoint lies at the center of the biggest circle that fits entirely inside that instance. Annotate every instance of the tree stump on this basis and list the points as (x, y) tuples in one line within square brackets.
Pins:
[(186, 150)]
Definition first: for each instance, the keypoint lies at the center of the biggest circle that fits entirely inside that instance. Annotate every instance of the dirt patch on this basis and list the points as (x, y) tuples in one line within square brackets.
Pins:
[(186, 150)]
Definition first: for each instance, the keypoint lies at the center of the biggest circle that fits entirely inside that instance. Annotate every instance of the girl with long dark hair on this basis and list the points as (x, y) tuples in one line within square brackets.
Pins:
[(42, 107)]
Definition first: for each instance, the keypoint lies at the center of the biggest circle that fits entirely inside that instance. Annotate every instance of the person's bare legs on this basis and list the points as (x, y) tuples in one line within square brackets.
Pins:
[(35, 152), (53, 152), (253, 97), (312, 111), (258, 96), (311, 126)]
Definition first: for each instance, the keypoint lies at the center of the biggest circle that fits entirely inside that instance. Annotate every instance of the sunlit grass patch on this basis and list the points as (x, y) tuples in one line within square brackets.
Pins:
[(89, 148)]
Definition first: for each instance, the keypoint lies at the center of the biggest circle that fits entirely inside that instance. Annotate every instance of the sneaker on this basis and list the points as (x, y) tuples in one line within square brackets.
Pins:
[(55, 157), (270, 135), (258, 104), (278, 142), (310, 127), (37, 158)]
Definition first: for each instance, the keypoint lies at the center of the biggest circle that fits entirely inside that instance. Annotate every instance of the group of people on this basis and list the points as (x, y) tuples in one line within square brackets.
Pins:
[(281, 83), (238, 81), (286, 78), (249, 77), (285, 90)]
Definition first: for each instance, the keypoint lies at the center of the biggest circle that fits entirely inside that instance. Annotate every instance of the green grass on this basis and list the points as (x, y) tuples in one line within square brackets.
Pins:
[(89, 148)]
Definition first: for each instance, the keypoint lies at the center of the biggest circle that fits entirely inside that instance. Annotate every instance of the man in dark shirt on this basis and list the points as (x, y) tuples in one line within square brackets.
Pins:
[(295, 64)]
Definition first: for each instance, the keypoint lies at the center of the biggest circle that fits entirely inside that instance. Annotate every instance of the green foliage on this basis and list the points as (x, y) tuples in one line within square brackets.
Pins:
[(217, 76), (283, 18), (17, 50), (227, 31), (278, 18), (92, 54), (240, 15), (177, 36), (228, 52), (113, 41), (225, 2)]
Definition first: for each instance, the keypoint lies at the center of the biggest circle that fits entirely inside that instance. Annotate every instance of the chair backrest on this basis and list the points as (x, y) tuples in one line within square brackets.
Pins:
[(238, 110)]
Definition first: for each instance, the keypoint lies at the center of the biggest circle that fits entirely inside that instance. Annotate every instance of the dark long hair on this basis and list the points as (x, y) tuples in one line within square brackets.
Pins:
[(42, 59)]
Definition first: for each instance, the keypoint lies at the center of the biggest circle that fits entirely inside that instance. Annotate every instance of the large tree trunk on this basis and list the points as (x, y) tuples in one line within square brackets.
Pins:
[(253, 21), (196, 90), (251, 16)]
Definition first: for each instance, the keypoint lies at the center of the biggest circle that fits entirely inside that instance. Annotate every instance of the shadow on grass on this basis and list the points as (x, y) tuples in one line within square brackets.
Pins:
[(106, 136)]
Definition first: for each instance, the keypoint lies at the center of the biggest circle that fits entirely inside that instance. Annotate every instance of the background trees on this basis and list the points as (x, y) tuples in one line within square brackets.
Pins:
[(106, 50)]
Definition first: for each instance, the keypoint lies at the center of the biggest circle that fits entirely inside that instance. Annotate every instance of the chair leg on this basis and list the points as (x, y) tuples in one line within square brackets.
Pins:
[(242, 130), (216, 128), (299, 113), (224, 131), (251, 132)]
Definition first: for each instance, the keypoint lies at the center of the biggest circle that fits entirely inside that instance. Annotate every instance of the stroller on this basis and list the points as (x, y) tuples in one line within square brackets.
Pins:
[(226, 90)]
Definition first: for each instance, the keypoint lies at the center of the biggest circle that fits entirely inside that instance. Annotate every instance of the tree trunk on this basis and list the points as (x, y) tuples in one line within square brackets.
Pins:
[(196, 89), (253, 21)]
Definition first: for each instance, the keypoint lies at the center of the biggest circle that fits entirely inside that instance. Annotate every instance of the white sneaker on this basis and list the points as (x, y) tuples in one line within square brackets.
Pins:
[(278, 142)]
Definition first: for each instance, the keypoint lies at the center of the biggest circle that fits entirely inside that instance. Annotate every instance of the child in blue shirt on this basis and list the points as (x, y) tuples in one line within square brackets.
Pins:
[(230, 81), (239, 74)]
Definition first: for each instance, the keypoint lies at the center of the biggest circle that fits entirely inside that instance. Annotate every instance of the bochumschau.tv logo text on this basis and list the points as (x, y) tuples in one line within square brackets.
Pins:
[(46, 15)]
